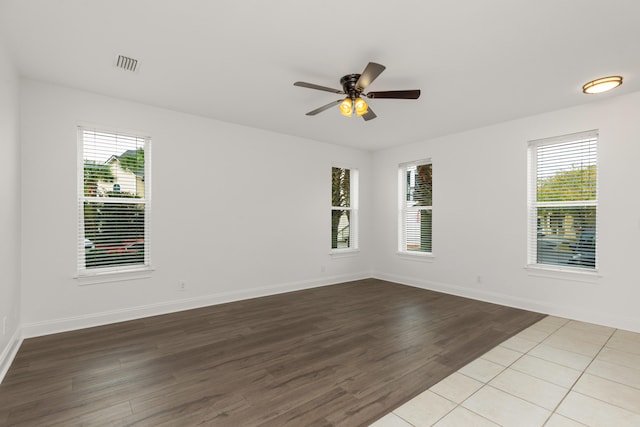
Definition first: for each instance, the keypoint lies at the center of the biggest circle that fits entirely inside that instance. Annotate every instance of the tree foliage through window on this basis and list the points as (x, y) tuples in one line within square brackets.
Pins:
[(565, 204), (416, 210), (341, 208), (114, 201)]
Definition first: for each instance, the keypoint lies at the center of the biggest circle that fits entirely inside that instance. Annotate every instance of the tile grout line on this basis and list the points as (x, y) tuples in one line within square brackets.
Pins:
[(606, 379), (553, 411), (458, 405), (402, 418), (485, 384), (570, 389)]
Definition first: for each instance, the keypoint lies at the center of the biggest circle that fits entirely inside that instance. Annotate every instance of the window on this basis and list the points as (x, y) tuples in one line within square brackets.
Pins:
[(113, 202), (415, 215), (344, 208), (563, 201)]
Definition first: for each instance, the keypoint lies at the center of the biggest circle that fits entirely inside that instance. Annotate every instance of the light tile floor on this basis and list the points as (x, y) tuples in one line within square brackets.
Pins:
[(556, 373)]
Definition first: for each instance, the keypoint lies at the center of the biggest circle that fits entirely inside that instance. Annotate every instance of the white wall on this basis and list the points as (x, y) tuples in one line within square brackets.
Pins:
[(230, 221), (9, 211), (480, 223), (237, 212)]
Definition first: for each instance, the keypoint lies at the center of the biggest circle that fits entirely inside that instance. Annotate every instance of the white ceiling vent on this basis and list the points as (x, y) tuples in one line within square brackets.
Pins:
[(126, 63)]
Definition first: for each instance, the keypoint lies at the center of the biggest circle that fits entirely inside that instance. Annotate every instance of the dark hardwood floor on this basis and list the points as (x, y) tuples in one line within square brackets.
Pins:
[(341, 355)]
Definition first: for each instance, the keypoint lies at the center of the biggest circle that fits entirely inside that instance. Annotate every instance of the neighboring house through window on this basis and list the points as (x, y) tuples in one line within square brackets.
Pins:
[(563, 201), (113, 201), (344, 208), (415, 213)]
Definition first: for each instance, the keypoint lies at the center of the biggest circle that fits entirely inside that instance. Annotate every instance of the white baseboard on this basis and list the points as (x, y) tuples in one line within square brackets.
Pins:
[(9, 353), (475, 294), (53, 326), (554, 309)]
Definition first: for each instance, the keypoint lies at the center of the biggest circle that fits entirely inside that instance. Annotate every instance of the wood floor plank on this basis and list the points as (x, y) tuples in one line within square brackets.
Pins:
[(340, 355)]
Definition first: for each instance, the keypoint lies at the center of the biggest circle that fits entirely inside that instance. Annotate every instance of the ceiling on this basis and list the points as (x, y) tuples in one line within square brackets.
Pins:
[(476, 62)]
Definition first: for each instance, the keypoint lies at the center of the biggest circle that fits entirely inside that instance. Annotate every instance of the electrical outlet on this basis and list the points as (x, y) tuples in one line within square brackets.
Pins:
[(4, 325), (479, 279), (182, 285)]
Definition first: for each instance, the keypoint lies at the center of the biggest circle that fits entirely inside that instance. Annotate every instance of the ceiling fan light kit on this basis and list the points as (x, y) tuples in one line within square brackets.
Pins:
[(361, 107), (353, 85), (349, 106), (346, 107), (602, 85)]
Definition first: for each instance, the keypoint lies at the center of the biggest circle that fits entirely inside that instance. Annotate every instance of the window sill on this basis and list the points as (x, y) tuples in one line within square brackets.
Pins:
[(92, 278), (573, 274), (416, 256), (344, 253)]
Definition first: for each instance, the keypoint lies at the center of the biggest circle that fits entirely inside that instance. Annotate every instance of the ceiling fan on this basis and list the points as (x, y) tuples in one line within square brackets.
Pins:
[(353, 85)]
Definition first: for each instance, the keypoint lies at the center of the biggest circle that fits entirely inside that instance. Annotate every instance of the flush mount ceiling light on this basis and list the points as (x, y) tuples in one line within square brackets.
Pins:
[(602, 85)]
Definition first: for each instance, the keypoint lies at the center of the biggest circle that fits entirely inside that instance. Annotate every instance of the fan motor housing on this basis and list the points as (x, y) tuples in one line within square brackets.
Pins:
[(348, 83)]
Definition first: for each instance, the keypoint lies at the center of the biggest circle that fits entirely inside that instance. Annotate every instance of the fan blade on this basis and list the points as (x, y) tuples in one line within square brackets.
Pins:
[(318, 87), (369, 115), (324, 107), (370, 73), (395, 94)]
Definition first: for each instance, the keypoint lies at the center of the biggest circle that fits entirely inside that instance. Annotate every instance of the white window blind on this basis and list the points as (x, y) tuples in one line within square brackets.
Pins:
[(415, 215), (344, 208), (563, 201), (113, 202)]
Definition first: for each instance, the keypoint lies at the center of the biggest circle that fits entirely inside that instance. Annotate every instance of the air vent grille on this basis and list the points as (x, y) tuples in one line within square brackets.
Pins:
[(126, 63)]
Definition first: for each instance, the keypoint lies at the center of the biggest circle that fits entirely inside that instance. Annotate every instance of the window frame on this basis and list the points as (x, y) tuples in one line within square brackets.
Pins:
[(403, 210), (353, 208), (118, 272), (533, 204)]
